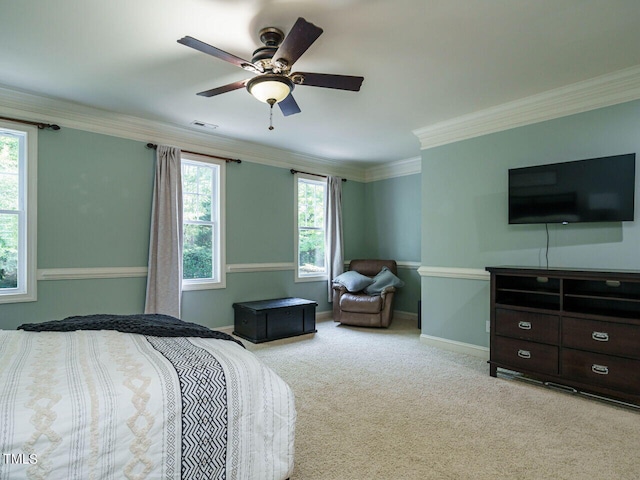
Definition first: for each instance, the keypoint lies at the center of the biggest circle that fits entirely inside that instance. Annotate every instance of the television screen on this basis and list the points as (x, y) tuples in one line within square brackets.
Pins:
[(593, 190)]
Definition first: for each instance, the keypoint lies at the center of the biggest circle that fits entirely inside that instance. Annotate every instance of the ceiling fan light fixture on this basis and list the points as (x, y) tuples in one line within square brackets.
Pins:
[(270, 87)]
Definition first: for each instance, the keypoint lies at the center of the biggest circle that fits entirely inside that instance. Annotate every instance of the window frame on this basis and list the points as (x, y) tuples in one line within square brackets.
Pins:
[(219, 251), (27, 212), (298, 276)]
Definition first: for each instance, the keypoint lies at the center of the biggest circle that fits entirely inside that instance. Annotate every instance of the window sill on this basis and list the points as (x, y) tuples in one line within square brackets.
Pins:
[(18, 297), (202, 285), (315, 278)]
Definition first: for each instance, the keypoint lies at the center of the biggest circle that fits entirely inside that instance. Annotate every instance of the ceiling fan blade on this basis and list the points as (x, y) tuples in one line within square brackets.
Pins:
[(289, 106), (223, 89), (297, 41), (326, 80), (221, 54)]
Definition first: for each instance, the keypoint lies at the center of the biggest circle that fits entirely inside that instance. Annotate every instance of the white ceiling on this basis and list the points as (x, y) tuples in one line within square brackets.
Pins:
[(424, 62)]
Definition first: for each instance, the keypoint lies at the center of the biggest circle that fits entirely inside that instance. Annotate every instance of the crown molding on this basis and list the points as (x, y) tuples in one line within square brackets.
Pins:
[(606, 90), (33, 107), (603, 91), (400, 168)]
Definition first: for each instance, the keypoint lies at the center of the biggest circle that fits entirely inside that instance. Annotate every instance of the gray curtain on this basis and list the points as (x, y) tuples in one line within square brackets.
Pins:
[(333, 231), (164, 278)]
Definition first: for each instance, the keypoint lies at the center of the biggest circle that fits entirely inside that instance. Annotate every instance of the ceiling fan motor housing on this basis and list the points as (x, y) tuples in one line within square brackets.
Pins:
[(271, 37)]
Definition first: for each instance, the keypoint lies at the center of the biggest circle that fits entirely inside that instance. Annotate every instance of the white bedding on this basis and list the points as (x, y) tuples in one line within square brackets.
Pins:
[(111, 405)]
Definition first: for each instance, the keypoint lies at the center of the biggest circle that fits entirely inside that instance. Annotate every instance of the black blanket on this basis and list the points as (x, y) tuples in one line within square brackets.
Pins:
[(154, 325)]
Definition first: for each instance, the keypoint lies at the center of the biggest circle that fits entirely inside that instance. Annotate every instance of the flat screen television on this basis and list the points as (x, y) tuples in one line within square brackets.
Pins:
[(593, 190)]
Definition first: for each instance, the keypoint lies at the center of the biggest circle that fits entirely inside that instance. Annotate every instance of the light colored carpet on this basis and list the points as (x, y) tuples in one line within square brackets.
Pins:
[(379, 404)]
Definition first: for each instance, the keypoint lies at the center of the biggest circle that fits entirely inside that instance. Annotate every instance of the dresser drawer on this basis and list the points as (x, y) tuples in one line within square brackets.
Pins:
[(602, 337), (527, 325), (535, 357), (603, 370)]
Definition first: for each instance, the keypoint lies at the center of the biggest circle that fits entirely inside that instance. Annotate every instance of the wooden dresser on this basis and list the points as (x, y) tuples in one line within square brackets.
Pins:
[(575, 328)]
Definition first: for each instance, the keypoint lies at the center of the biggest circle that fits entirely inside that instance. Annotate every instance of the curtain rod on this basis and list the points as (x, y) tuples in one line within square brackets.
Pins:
[(154, 146), (314, 174), (40, 125)]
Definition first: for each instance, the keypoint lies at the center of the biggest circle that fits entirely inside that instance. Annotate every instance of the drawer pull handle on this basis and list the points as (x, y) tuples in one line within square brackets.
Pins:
[(600, 369), (600, 336), (612, 283), (524, 354), (524, 325)]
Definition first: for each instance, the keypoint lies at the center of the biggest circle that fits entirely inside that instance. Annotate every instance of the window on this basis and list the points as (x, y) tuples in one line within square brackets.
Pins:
[(310, 228), (18, 147), (203, 224)]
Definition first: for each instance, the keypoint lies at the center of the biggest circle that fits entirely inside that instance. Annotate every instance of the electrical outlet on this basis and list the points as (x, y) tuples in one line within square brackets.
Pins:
[(488, 326)]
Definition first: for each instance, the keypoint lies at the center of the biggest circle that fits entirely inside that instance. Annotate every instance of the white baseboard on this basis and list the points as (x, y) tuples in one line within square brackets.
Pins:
[(402, 315), (454, 346), (397, 314), (320, 316), (328, 315)]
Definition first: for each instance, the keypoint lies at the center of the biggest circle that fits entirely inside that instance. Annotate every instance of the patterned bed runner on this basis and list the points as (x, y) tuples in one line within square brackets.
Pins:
[(204, 407)]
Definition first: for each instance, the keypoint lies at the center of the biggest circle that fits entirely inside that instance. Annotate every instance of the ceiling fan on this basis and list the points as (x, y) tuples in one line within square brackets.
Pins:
[(272, 64)]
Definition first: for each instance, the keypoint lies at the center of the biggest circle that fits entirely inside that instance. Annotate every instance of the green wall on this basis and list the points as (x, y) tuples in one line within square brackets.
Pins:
[(464, 213), (94, 209), (393, 216), (260, 214), (393, 209), (94, 200)]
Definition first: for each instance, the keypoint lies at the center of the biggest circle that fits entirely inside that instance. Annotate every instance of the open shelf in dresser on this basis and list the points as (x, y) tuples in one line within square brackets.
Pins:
[(578, 328)]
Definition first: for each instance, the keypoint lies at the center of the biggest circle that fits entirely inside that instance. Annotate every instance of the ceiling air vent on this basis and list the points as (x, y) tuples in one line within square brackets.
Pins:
[(205, 125)]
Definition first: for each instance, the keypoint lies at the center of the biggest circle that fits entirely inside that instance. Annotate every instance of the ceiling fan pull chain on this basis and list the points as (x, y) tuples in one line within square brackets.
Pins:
[(271, 102)]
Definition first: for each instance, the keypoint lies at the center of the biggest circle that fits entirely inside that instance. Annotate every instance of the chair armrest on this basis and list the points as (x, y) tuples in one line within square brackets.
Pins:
[(341, 288), (387, 290)]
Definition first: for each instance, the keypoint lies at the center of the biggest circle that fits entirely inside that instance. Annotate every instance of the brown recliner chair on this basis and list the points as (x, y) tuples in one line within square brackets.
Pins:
[(360, 308)]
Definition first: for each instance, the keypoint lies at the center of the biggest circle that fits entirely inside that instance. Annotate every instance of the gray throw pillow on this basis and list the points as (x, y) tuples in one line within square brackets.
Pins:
[(353, 281), (385, 278)]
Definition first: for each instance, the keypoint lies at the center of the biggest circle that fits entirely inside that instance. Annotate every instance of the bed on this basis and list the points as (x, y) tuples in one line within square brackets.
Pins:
[(139, 397)]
